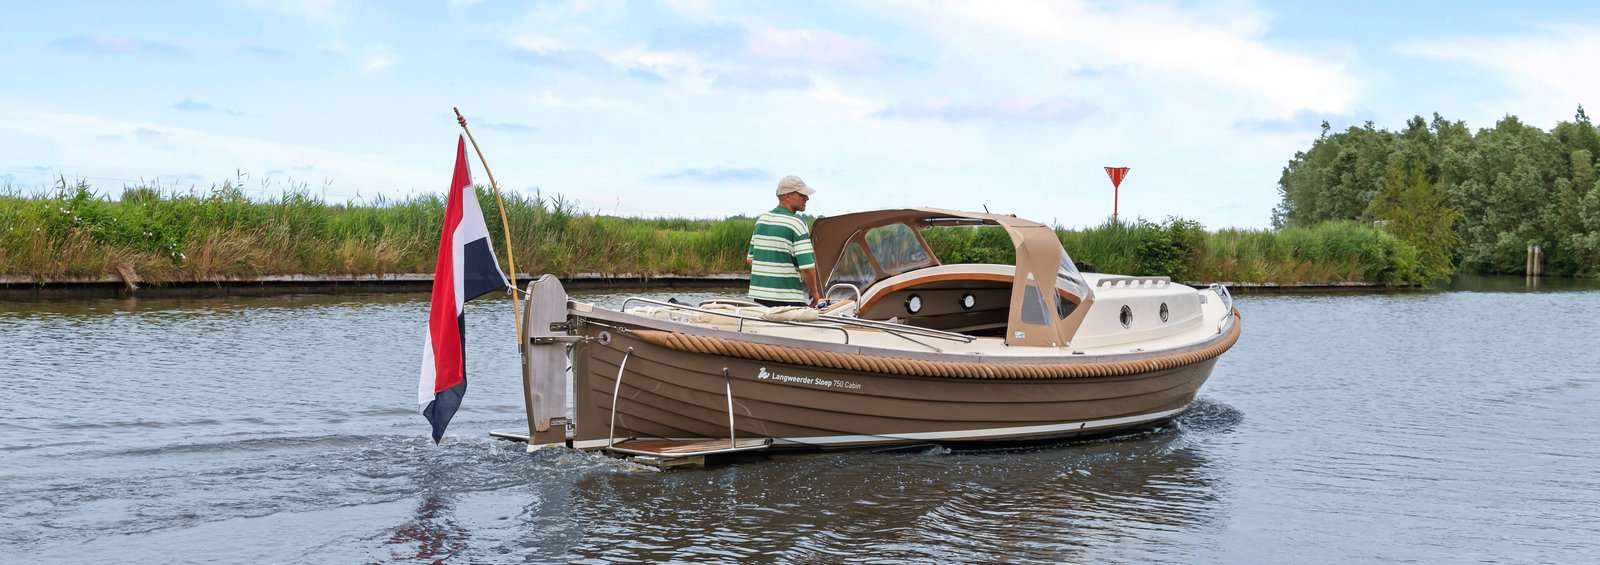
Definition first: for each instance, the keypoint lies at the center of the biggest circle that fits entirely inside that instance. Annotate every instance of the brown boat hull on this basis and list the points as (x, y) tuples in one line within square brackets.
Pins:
[(676, 394)]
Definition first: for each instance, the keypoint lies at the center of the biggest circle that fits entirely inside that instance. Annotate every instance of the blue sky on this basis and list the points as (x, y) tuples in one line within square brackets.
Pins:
[(696, 107)]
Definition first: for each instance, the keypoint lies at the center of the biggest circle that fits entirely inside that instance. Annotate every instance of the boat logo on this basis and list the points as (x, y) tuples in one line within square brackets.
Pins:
[(763, 375)]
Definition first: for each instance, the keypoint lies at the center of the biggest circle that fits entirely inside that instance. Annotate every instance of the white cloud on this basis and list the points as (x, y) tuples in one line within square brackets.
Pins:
[(821, 49), (1014, 109), (376, 62), (1164, 39), (683, 69), (573, 14), (749, 79), (373, 57), (688, 6), (541, 44), (830, 95), (1550, 68), (96, 147)]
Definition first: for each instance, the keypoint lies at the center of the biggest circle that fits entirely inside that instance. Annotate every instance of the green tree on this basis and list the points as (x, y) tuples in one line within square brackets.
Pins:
[(1412, 206), (1509, 196), (1514, 185), (1336, 179)]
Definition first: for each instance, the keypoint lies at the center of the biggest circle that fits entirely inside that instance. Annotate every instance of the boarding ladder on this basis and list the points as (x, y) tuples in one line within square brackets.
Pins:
[(661, 451)]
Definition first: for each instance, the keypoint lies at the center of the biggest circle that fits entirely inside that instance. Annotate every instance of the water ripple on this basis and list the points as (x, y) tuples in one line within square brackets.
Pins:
[(1377, 428)]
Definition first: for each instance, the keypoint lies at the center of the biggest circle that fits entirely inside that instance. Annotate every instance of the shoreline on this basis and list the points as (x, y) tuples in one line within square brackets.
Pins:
[(21, 288)]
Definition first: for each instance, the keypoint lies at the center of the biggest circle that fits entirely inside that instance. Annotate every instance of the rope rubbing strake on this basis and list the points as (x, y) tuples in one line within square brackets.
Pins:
[(912, 367)]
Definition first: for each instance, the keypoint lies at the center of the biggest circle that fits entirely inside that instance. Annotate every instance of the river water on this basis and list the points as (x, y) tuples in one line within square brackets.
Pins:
[(1434, 427)]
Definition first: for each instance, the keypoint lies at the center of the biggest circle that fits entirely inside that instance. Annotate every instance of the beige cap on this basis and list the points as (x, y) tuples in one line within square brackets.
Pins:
[(793, 183)]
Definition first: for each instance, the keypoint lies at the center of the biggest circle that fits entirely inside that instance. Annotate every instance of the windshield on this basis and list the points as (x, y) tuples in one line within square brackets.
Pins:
[(897, 248), (1070, 287), (853, 268)]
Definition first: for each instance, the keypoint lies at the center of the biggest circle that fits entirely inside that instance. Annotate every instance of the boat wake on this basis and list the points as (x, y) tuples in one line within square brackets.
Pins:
[(1206, 416)]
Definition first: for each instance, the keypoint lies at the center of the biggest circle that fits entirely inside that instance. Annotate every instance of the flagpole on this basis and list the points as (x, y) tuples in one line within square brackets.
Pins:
[(516, 305)]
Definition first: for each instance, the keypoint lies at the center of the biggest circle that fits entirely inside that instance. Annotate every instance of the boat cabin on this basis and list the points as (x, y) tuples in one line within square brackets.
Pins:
[(878, 265)]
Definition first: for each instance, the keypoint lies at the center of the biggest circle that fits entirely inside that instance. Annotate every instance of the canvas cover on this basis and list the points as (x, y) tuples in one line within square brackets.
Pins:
[(1040, 260)]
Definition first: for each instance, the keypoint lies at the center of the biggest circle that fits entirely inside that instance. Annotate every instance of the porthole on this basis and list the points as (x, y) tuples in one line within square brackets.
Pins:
[(968, 301), (1164, 313), (913, 304), (1127, 317)]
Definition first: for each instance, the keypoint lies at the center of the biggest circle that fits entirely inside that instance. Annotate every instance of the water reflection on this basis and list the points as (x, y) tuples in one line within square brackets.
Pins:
[(1425, 426), (1052, 504), (432, 536), (1516, 283)]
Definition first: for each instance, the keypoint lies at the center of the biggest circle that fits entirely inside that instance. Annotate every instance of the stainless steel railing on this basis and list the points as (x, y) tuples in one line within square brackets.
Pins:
[(741, 317), (837, 322), (1227, 302), (856, 304), (616, 390)]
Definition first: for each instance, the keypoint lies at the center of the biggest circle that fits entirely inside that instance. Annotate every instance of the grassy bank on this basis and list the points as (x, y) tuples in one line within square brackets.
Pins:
[(1183, 250), (76, 232), (172, 236)]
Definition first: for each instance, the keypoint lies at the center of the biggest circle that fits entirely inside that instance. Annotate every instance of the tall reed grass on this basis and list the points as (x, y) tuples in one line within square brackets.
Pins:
[(176, 236), (1339, 251), (199, 235)]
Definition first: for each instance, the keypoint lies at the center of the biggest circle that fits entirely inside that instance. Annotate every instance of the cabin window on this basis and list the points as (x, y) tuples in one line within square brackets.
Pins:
[(1034, 310), (897, 248), (853, 268), (1070, 288)]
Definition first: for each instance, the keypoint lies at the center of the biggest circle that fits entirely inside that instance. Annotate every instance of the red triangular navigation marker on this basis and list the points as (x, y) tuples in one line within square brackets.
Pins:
[(1116, 174)]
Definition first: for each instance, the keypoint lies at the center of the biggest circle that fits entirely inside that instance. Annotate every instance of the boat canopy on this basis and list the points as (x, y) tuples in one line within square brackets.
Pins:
[(865, 247)]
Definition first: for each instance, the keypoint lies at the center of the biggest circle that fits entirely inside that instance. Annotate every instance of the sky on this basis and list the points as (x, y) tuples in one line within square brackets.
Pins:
[(696, 108)]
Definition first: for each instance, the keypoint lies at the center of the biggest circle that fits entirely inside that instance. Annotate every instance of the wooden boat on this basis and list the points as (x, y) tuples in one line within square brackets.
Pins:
[(911, 351)]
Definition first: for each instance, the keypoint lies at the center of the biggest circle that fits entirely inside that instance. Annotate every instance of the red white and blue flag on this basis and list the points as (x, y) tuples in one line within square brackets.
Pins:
[(467, 269)]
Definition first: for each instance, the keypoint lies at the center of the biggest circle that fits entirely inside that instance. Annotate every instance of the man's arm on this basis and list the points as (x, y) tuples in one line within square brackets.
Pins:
[(805, 262), (812, 286)]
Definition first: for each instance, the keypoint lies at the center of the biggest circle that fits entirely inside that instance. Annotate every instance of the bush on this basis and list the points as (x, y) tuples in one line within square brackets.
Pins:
[(981, 244)]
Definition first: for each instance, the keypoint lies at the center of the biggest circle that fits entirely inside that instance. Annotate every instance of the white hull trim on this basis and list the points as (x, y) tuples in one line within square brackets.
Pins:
[(961, 435)]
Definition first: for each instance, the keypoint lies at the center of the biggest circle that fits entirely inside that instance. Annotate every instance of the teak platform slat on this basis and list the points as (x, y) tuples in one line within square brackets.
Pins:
[(683, 448)]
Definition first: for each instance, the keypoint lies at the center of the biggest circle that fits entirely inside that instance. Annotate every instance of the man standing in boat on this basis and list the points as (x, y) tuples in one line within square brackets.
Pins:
[(783, 268)]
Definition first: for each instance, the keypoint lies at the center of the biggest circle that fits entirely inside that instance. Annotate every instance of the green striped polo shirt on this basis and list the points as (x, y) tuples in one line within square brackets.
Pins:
[(779, 250)]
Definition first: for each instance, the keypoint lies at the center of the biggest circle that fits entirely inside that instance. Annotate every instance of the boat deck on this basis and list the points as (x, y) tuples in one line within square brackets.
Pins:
[(1179, 332)]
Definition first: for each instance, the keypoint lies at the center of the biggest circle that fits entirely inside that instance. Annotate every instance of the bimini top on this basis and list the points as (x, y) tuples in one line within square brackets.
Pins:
[(865, 247)]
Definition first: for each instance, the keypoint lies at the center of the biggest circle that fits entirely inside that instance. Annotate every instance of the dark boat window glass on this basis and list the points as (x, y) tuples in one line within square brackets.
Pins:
[(1034, 310), (897, 248), (852, 268), (1070, 287)]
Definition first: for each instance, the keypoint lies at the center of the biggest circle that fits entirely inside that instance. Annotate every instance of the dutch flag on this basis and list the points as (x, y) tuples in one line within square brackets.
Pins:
[(467, 269)]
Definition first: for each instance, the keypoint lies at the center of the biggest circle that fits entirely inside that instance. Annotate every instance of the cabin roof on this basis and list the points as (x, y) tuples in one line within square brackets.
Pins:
[(830, 235)]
